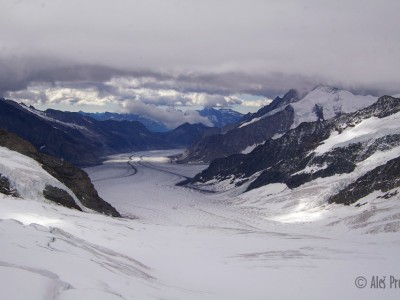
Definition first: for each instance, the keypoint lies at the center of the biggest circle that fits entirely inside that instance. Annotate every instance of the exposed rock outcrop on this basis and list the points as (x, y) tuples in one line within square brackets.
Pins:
[(383, 178), (5, 187), (60, 196)]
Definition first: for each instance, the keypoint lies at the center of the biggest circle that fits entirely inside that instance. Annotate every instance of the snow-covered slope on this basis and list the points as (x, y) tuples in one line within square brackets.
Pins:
[(329, 101), (27, 177), (188, 245)]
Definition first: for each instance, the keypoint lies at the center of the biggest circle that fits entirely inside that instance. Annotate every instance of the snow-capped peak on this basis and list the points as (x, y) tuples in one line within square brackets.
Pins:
[(327, 102)]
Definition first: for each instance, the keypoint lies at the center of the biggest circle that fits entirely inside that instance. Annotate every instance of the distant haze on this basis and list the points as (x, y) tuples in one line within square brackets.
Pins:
[(156, 55)]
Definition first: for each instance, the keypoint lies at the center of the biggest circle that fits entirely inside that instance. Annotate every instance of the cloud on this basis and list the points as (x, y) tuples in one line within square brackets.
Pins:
[(163, 54), (344, 42), (116, 90), (168, 116), (256, 103), (60, 93)]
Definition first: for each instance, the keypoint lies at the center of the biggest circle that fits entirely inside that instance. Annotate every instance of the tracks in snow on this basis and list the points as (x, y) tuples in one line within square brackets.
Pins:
[(131, 173), (130, 163), (150, 166)]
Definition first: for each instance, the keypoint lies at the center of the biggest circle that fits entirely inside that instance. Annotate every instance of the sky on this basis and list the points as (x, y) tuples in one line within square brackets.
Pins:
[(157, 57)]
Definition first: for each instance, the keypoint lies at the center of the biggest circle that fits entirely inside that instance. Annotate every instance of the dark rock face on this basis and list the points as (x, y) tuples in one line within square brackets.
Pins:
[(74, 178), (185, 134), (5, 187), (78, 182), (60, 196), (282, 160), (235, 139), (290, 97), (60, 141), (382, 178)]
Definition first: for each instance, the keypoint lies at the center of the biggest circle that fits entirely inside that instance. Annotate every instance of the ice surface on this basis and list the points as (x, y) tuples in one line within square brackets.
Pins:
[(177, 243)]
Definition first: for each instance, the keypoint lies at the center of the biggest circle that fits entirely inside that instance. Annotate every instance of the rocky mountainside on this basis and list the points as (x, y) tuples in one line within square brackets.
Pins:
[(185, 134), (273, 120), (360, 150), (82, 140), (31, 174)]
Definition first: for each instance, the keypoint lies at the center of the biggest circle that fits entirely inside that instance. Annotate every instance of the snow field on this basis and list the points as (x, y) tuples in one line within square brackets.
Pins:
[(177, 243)]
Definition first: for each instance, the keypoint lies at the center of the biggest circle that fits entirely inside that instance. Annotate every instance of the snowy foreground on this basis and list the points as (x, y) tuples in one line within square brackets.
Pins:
[(177, 243)]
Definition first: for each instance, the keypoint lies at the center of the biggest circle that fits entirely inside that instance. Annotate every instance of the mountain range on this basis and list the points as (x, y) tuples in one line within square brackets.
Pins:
[(274, 120), (327, 135), (319, 193), (346, 157), (217, 117), (82, 140)]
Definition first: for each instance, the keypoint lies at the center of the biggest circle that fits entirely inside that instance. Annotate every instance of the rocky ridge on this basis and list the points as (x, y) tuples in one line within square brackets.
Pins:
[(72, 177)]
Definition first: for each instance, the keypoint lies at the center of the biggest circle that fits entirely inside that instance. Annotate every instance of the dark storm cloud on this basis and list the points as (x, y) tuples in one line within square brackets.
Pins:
[(214, 48), (17, 74)]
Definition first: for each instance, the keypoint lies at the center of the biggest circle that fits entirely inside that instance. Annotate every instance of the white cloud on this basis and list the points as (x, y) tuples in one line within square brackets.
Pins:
[(126, 93), (170, 117), (207, 100), (116, 91), (256, 103), (150, 91), (59, 94)]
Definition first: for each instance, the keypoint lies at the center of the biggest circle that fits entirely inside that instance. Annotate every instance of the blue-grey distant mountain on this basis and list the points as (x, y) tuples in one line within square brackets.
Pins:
[(218, 117), (221, 117), (150, 124)]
